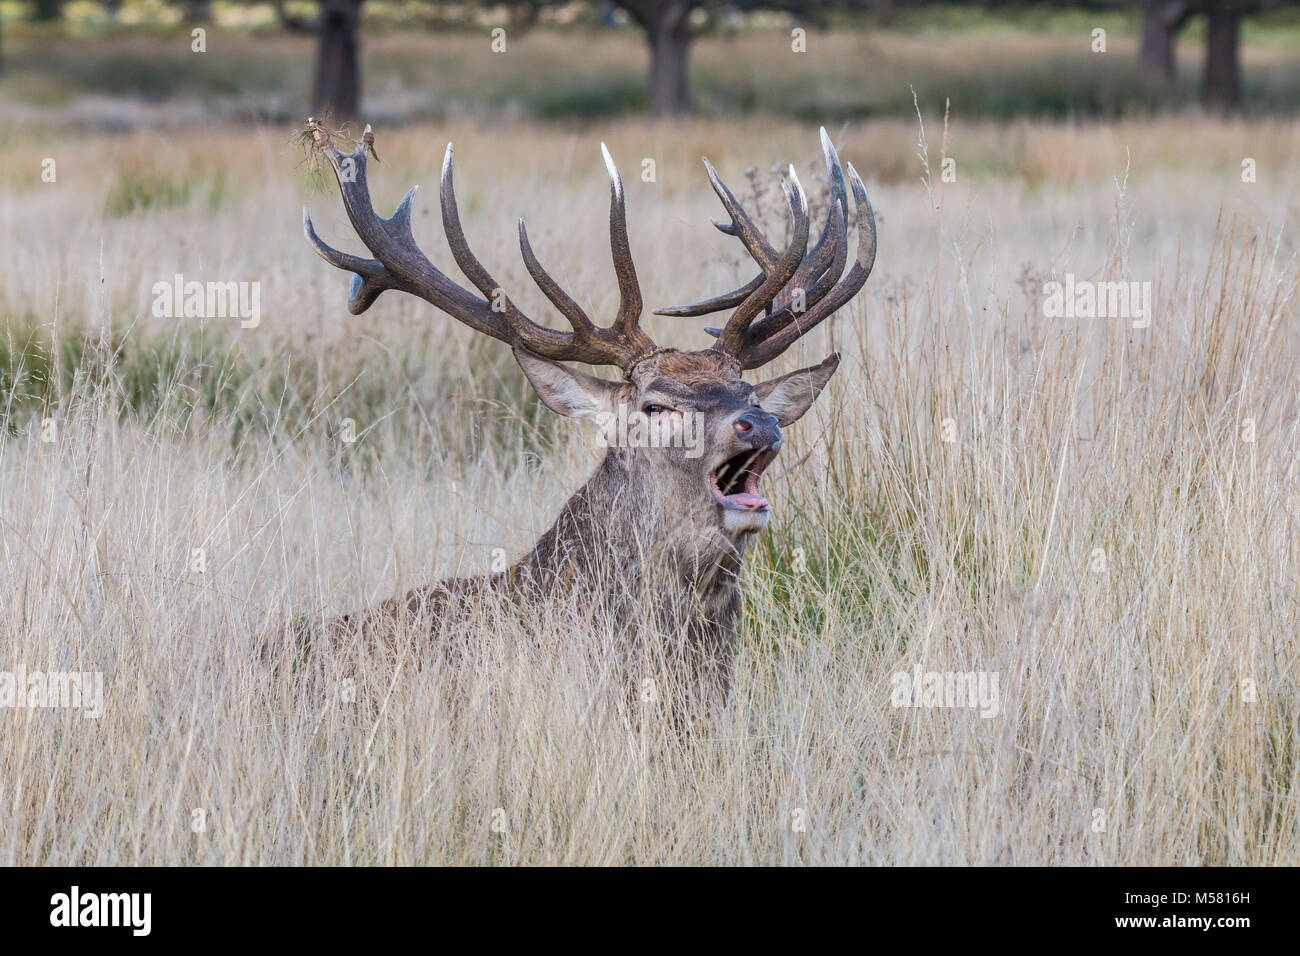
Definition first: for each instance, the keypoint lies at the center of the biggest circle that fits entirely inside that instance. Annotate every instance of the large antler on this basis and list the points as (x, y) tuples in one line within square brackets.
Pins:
[(399, 264), (798, 291)]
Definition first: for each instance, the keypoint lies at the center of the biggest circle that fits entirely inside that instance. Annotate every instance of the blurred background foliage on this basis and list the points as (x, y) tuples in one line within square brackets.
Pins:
[(820, 59)]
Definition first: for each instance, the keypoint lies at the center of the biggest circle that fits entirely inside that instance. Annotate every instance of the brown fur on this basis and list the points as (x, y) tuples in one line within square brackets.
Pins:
[(642, 540)]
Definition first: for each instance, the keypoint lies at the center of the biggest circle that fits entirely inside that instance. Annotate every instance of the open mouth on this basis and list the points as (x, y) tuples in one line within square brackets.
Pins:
[(734, 483)]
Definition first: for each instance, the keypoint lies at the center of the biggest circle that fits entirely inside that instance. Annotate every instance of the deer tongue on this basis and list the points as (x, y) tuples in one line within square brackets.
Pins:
[(743, 499)]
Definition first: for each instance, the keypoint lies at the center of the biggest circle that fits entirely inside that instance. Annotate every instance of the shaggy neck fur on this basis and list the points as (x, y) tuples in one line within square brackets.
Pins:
[(617, 543)]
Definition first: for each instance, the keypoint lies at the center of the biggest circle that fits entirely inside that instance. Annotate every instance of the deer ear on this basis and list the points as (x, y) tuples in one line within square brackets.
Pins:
[(566, 391), (789, 396)]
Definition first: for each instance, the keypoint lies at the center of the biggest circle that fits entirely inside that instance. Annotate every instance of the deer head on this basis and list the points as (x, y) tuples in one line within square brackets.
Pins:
[(710, 490)]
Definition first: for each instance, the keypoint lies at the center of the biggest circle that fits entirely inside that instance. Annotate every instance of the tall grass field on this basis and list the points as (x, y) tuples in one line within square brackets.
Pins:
[(1102, 512)]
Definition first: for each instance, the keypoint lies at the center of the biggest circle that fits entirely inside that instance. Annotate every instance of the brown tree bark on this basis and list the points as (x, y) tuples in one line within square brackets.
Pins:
[(47, 11), (338, 76), (1221, 87), (668, 31), (1161, 22)]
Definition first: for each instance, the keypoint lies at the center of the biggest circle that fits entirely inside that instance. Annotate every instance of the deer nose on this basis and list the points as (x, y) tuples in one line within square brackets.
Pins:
[(757, 428)]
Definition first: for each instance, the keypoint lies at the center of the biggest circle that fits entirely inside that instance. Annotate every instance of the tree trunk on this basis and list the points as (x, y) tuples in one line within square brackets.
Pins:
[(669, 93), (47, 11), (1221, 90), (199, 11), (667, 25), (338, 79), (1161, 21)]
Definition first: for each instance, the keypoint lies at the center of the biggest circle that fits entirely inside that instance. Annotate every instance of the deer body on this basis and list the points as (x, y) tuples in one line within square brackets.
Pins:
[(615, 567), (659, 531)]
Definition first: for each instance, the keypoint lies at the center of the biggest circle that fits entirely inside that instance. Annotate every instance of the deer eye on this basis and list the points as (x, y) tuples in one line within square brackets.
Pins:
[(652, 409)]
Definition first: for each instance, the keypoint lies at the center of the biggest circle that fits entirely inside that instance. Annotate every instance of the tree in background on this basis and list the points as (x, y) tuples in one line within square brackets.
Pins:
[(336, 92), (46, 11), (669, 30), (43, 11), (670, 26), (667, 27), (1161, 22), (1221, 85), (1221, 82), (666, 23)]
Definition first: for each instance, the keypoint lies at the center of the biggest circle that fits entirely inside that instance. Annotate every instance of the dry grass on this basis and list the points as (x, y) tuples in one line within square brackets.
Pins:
[(1121, 690)]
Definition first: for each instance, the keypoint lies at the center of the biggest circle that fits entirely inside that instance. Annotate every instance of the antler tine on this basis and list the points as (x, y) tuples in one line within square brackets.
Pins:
[(823, 266), (360, 295), (716, 304), (813, 266), (741, 226), (821, 285), (832, 234), (629, 290), (817, 275), (621, 344), (759, 353), (549, 343), (783, 268), (744, 229), (399, 264), (838, 250), (559, 298)]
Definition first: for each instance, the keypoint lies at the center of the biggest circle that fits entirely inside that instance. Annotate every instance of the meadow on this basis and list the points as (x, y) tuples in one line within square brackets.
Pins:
[(1104, 515)]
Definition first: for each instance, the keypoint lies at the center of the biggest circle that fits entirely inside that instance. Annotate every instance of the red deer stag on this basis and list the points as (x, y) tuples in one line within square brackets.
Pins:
[(660, 528)]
